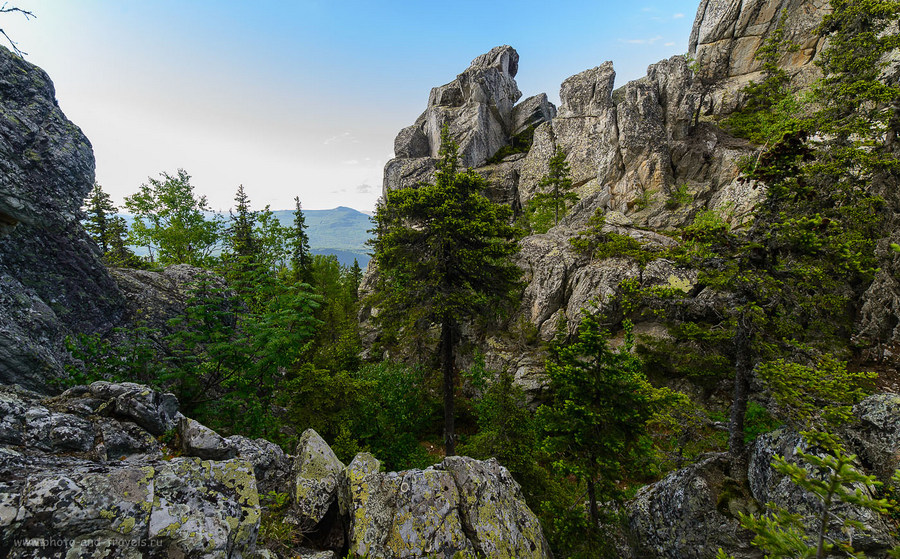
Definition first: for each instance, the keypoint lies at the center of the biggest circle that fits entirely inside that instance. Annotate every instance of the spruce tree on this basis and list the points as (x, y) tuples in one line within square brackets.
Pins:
[(443, 252), (100, 211), (599, 408), (555, 199), (301, 259)]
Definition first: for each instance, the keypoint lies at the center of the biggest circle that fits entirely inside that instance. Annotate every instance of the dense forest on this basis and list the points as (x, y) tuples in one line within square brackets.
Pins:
[(269, 342)]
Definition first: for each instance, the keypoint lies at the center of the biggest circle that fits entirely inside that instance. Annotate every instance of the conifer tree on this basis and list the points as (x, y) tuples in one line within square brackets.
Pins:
[(241, 237), (356, 275), (553, 202), (100, 212), (301, 259), (600, 404), (443, 252)]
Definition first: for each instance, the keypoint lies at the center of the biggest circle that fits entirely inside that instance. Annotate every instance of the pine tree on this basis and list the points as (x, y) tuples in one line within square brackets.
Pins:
[(443, 252), (301, 259)]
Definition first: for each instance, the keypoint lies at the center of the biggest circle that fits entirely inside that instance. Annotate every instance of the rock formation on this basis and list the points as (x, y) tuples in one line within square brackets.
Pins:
[(52, 282), (116, 469), (478, 108), (694, 511)]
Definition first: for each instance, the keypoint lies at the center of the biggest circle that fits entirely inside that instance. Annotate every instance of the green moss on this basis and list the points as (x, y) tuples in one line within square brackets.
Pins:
[(127, 525)]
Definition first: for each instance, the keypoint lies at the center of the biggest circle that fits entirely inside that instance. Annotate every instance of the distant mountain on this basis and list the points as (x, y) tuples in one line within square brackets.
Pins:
[(341, 231)]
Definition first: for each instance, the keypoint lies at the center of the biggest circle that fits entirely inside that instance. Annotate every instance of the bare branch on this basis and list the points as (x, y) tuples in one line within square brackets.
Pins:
[(28, 15)]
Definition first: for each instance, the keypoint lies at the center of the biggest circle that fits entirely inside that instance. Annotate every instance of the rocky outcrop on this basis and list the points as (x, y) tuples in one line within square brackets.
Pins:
[(875, 437), (691, 513), (694, 511), (728, 33), (479, 109), (770, 486), (116, 469), (82, 473), (52, 282)]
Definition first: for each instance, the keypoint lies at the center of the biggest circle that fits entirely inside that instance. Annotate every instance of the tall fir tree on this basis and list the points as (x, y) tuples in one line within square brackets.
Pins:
[(443, 252), (100, 212), (556, 196), (301, 258)]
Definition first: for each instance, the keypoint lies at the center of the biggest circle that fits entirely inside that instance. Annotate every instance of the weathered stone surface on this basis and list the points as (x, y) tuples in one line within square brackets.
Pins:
[(201, 441), (727, 34), (316, 473), (80, 475), (52, 283), (531, 113), (687, 515), (184, 507), (270, 464), (770, 486), (206, 508), (875, 436), (493, 510), (152, 410), (479, 110), (407, 514)]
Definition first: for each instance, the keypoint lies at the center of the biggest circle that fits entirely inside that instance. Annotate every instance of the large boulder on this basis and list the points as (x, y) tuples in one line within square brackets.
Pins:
[(691, 513), (459, 508), (770, 486), (83, 475), (493, 510), (401, 514), (316, 473), (52, 283)]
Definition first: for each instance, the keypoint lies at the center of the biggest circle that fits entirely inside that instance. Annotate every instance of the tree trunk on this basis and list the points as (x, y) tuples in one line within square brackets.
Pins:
[(592, 496), (447, 369), (743, 369)]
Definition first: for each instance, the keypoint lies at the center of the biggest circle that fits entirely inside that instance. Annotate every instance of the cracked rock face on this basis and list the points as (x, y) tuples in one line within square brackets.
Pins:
[(727, 34), (770, 486), (52, 283), (461, 506), (478, 107)]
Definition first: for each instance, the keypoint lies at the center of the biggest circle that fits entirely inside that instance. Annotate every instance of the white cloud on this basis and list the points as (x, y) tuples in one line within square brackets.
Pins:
[(670, 44), (365, 188), (677, 16), (649, 41), (341, 138), (350, 162)]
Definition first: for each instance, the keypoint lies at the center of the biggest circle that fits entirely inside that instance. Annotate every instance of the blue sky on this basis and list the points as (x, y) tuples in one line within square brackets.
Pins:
[(303, 98)]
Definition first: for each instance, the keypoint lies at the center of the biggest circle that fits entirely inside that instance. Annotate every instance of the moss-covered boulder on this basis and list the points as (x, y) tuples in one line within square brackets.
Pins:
[(316, 474), (493, 510)]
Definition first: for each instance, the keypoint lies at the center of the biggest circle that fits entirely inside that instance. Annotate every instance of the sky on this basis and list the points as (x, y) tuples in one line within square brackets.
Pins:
[(304, 97)]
